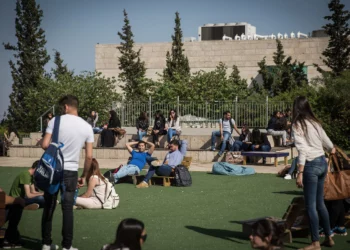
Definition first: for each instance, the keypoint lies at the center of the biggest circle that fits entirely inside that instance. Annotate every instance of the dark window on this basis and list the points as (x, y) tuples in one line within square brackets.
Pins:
[(216, 33)]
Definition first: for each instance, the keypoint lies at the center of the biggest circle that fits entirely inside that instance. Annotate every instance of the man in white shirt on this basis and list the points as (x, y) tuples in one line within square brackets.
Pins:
[(226, 124), (74, 133)]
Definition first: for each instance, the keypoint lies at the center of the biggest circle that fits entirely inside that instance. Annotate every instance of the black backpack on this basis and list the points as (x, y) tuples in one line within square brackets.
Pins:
[(182, 176)]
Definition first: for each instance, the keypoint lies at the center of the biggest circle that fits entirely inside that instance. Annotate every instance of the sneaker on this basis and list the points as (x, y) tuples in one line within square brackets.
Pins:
[(287, 177), (8, 245), (142, 185), (33, 206), (322, 234), (49, 247), (340, 231), (71, 248), (213, 149)]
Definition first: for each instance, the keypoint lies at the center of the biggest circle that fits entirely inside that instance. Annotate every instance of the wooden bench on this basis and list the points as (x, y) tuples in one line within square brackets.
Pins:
[(265, 154), (2, 214), (294, 221), (165, 181)]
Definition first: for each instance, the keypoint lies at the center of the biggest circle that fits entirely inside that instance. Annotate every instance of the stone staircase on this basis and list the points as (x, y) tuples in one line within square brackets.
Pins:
[(199, 141)]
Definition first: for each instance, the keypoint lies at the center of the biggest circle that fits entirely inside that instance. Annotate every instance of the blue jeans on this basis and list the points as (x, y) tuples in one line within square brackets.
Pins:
[(315, 172), (38, 200), (217, 133), (171, 133), (163, 170), (239, 146), (264, 148), (141, 134), (126, 170), (293, 166)]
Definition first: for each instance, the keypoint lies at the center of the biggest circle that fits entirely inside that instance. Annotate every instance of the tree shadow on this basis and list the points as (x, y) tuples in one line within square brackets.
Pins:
[(220, 233), (31, 243), (293, 192)]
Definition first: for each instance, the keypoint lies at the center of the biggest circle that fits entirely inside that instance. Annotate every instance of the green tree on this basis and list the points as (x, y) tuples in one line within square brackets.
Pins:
[(132, 75), (60, 68), (238, 85), (176, 61), (284, 76), (337, 54), (28, 68)]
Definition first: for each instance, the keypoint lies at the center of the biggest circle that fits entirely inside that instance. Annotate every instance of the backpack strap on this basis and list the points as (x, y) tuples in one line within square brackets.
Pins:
[(56, 129)]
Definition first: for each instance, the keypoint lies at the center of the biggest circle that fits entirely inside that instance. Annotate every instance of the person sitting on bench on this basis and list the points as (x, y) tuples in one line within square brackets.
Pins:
[(23, 186), (14, 209), (273, 128), (260, 142), (172, 159), (138, 159)]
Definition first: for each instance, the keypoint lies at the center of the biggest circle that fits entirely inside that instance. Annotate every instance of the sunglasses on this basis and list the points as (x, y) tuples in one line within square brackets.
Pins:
[(144, 237)]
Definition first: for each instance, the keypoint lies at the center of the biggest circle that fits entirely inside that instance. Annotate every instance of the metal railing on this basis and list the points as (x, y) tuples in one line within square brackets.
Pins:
[(52, 110), (205, 114)]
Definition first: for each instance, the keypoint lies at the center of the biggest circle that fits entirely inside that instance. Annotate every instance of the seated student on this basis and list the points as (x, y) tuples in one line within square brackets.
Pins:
[(107, 134), (336, 211), (10, 135), (138, 159), (158, 127), (266, 235), (172, 125), (260, 142), (131, 235), (244, 140), (14, 209), (92, 120), (226, 124), (292, 168), (172, 159), (273, 128), (142, 125), (23, 186), (96, 187)]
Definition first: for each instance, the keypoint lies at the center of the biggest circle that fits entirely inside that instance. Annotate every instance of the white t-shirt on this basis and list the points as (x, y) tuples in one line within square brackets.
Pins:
[(226, 126), (73, 133)]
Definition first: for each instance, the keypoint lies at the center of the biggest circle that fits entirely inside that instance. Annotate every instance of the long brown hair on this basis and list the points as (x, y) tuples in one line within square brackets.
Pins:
[(94, 170), (301, 112)]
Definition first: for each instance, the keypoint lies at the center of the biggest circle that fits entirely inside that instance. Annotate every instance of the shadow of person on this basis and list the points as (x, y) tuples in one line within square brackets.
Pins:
[(31, 243), (219, 233), (292, 192)]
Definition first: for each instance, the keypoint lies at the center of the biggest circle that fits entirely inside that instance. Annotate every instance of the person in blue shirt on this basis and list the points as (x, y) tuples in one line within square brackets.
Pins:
[(172, 159), (138, 159)]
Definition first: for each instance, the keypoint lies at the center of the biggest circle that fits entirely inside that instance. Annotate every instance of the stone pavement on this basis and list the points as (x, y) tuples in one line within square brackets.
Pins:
[(113, 163)]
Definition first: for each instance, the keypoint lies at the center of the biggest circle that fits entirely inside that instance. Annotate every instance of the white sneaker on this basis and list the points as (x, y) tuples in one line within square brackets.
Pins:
[(50, 247), (71, 248), (287, 177)]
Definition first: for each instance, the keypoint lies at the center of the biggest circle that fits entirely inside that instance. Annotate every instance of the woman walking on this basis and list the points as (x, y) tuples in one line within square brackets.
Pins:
[(310, 139)]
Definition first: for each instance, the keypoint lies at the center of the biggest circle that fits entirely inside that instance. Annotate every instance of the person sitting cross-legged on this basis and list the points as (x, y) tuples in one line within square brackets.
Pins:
[(172, 159), (138, 159), (24, 187)]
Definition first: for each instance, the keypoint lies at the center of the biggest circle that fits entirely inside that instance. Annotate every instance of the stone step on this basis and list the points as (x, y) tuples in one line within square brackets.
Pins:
[(200, 156)]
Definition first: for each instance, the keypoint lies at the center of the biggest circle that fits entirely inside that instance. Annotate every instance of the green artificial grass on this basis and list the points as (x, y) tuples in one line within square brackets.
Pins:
[(199, 217)]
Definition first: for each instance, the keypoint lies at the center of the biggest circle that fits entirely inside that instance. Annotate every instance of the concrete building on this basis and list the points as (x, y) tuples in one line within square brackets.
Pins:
[(206, 55)]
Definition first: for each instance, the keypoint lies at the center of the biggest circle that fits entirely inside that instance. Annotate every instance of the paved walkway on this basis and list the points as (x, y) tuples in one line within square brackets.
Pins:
[(113, 163)]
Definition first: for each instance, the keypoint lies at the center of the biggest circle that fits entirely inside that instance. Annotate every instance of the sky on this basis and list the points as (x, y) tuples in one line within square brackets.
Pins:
[(74, 27)]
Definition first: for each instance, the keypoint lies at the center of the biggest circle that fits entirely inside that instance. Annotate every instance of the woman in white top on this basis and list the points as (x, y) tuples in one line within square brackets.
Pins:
[(172, 125), (310, 140), (96, 187)]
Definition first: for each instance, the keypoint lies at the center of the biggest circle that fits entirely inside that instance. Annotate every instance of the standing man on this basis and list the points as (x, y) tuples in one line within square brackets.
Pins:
[(226, 124), (74, 133)]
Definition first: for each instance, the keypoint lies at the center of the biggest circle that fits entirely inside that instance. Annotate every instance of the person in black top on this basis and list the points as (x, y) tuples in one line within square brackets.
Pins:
[(273, 127), (158, 127), (260, 142), (244, 141), (142, 125), (107, 134)]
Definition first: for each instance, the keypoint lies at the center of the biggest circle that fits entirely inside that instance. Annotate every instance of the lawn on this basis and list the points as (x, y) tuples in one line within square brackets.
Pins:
[(197, 217)]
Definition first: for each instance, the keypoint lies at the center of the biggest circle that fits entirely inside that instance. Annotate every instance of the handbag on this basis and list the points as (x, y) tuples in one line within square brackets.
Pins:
[(149, 130), (234, 157), (120, 132), (337, 181)]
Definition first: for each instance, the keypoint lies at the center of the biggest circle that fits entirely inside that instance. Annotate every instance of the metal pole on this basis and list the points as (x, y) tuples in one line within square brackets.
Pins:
[(177, 106), (267, 110), (150, 111), (236, 109), (41, 124), (53, 110)]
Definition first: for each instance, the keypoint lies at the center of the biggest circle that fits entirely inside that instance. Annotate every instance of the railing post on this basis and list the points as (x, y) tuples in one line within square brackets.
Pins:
[(236, 116), (41, 124), (53, 110), (123, 114), (177, 105), (150, 111), (267, 110)]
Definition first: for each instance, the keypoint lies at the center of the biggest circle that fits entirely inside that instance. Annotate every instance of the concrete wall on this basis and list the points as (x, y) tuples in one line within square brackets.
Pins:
[(206, 55)]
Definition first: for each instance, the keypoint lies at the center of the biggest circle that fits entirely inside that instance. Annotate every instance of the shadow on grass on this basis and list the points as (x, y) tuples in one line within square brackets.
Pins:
[(293, 192), (31, 243), (220, 233)]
